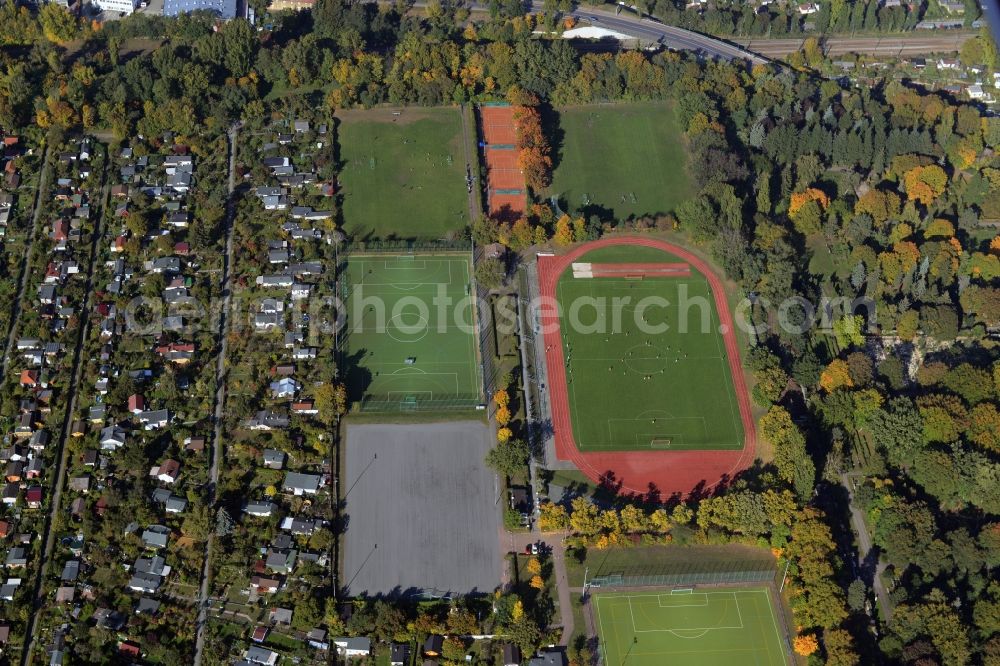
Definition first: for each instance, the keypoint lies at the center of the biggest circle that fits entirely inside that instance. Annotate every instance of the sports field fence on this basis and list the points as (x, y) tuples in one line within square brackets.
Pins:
[(402, 405), (487, 330), (404, 247), (689, 573)]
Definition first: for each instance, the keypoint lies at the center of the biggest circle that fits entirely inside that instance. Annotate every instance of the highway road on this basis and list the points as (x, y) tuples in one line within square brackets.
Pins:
[(913, 44), (651, 30), (644, 29)]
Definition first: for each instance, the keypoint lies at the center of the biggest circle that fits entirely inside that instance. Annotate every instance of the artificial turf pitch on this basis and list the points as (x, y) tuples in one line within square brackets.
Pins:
[(719, 627), (627, 159), (634, 390), (404, 344), (403, 176)]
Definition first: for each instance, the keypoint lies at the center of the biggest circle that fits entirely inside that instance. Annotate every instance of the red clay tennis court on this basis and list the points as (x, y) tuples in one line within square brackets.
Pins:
[(506, 195), (498, 125), (665, 472)]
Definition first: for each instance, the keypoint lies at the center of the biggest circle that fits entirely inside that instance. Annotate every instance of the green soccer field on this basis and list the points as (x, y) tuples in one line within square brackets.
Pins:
[(410, 330), (690, 628), (670, 389), (625, 158), (403, 176)]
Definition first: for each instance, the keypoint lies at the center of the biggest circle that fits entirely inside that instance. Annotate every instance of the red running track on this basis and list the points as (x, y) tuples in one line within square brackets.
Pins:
[(662, 473)]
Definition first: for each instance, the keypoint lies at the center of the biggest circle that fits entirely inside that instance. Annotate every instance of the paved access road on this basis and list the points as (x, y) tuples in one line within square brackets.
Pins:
[(220, 394)]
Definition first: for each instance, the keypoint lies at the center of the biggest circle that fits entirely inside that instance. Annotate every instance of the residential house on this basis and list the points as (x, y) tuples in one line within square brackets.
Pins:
[(136, 403), (16, 558), (156, 536), (155, 419), (285, 388), (317, 639), (268, 420), (281, 561), (302, 484), (33, 497), (112, 438), (511, 655), (167, 471), (280, 616), (260, 509), (264, 585), (274, 459), (301, 526), (353, 647), (548, 658), (399, 654), (71, 571), (258, 655)]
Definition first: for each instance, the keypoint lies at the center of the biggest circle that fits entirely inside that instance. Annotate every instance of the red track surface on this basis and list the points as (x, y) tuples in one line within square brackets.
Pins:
[(637, 269), (664, 473)]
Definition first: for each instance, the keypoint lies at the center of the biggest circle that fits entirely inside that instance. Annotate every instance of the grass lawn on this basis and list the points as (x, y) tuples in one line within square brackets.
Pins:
[(658, 377), (402, 347), (699, 627), (625, 158), (403, 176)]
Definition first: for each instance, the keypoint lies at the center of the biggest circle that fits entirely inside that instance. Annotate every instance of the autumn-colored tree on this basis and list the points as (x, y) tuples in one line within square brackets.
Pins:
[(504, 435), (58, 24), (502, 415), (799, 199), (563, 235), (553, 518), (939, 228), (536, 167), (924, 184), (908, 325), (331, 401), (501, 397), (880, 204), (517, 611), (790, 457), (984, 426), (534, 567), (805, 644), (817, 599), (584, 517), (839, 647), (522, 234), (537, 582), (836, 375)]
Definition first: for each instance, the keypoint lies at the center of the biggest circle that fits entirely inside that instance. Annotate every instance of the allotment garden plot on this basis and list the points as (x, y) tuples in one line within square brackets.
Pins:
[(650, 373), (689, 627), (410, 332)]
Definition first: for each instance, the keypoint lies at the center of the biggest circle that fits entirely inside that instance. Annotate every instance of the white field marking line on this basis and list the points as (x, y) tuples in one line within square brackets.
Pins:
[(774, 623), (401, 372), (703, 629), (409, 264), (659, 600), (600, 623), (701, 635)]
